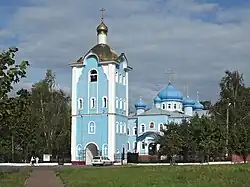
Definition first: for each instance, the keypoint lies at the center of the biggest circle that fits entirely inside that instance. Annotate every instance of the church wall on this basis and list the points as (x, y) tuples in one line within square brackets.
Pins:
[(147, 120), (85, 134)]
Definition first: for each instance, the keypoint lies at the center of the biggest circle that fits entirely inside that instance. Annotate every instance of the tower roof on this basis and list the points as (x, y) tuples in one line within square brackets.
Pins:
[(102, 28), (104, 52), (170, 93)]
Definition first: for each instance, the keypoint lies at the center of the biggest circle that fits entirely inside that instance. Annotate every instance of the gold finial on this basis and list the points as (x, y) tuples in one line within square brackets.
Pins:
[(102, 10), (102, 28)]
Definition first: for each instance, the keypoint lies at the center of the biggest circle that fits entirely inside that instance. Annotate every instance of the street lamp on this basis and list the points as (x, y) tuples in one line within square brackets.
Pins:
[(229, 104)]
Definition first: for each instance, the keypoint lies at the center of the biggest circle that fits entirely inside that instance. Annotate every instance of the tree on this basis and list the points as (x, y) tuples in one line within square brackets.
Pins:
[(171, 141)]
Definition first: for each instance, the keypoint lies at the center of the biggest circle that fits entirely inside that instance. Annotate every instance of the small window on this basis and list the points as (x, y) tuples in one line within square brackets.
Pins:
[(169, 105), (175, 106), (128, 131), (124, 104), (93, 75), (120, 103), (104, 102), (143, 145), (163, 106), (125, 128), (121, 128), (152, 125), (142, 128), (116, 77), (116, 102), (120, 79), (128, 146), (117, 127), (134, 131), (91, 127), (80, 103), (160, 128), (92, 102)]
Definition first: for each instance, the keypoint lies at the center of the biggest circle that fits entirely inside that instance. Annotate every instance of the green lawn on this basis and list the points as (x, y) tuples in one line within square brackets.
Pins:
[(13, 179), (158, 176)]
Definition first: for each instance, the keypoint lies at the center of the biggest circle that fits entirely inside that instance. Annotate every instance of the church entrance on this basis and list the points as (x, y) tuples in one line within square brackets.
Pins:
[(91, 151), (152, 149)]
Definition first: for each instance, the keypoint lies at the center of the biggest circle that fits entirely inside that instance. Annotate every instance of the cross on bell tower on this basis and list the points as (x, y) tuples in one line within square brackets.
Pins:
[(102, 10)]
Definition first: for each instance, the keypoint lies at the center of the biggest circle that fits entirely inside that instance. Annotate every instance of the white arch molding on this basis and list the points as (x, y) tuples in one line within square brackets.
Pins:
[(91, 150), (88, 55)]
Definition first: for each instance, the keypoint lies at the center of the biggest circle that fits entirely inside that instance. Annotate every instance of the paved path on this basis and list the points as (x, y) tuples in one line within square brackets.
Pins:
[(43, 178)]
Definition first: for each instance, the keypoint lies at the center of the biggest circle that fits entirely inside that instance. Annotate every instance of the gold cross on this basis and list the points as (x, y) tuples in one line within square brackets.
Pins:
[(102, 10)]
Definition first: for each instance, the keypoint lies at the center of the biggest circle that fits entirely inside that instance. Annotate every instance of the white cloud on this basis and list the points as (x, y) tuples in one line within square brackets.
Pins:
[(155, 35)]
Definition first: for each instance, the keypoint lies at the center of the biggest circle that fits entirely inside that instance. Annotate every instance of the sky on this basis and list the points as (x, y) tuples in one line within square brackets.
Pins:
[(197, 39)]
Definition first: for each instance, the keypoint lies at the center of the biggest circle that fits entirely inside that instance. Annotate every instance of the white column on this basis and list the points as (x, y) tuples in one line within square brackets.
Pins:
[(76, 73), (127, 93), (102, 38), (111, 111)]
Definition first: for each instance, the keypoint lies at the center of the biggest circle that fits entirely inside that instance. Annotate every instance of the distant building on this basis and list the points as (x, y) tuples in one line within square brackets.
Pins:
[(101, 124)]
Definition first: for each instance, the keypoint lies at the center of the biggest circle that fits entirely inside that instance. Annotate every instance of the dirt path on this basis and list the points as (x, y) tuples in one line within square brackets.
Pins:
[(43, 178)]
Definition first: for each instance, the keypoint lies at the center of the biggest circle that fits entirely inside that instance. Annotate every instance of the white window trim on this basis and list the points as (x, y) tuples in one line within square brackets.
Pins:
[(121, 128), (91, 122), (117, 127), (141, 128), (150, 124), (124, 80), (124, 104), (117, 102), (125, 128), (120, 103), (120, 78), (159, 126), (90, 74), (79, 100), (103, 103), (91, 103)]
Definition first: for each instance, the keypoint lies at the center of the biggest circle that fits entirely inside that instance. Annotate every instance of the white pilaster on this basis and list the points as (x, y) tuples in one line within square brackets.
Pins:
[(76, 73), (111, 111), (127, 94)]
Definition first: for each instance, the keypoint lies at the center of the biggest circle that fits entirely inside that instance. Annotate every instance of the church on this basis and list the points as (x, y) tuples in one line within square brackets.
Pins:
[(101, 123)]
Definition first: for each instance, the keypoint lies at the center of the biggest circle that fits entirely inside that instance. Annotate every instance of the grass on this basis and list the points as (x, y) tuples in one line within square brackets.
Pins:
[(13, 179), (158, 176)]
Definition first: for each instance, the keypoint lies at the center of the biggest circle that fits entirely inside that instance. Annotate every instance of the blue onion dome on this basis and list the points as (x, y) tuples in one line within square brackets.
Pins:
[(140, 104), (188, 102), (157, 99), (170, 93), (198, 106)]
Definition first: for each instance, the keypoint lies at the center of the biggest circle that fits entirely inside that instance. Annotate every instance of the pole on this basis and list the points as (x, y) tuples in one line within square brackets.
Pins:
[(227, 123)]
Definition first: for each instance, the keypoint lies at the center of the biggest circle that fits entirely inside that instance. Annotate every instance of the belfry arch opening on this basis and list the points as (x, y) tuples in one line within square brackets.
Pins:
[(91, 151), (93, 75)]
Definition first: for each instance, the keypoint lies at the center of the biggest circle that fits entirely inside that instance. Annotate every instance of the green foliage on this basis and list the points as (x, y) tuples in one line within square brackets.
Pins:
[(158, 176)]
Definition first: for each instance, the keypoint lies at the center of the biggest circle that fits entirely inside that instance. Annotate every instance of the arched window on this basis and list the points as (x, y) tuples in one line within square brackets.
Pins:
[(92, 102), (151, 125), (128, 146), (93, 75), (116, 77), (134, 131), (163, 106), (124, 80), (124, 104), (80, 103), (143, 145), (124, 126), (142, 128), (169, 105), (121, 128), (128, 131), (104, 102), (120, 103), (160, 127), (91, 127), (175, 106), (117, 127)]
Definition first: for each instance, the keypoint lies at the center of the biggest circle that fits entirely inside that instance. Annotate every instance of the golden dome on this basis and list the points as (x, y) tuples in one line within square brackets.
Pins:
[(102, 28), (104, 52)]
